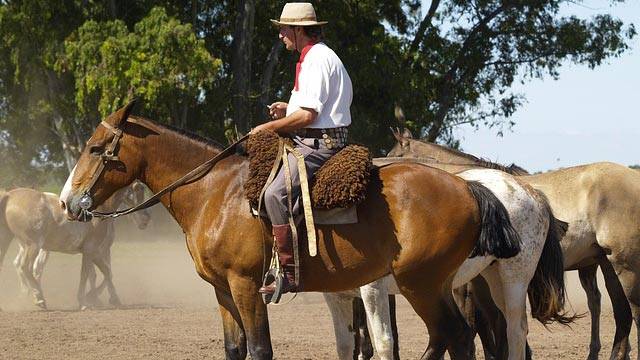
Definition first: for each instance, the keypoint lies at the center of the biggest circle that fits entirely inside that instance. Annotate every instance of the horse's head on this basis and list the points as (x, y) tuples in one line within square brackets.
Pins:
[(109, 161), (403, 147)]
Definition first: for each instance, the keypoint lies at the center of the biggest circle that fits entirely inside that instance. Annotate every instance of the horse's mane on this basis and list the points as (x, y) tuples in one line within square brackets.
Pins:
[(189, 134), (512, 169)]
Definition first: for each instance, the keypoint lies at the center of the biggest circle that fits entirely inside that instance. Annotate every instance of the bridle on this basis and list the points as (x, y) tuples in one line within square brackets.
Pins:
[(109, 154)]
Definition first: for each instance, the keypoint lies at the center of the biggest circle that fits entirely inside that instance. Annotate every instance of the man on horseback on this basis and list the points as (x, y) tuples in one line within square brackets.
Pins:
[(316, 118)]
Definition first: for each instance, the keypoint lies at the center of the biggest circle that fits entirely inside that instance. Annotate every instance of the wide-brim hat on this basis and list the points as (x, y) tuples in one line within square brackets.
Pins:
[(298, 14)]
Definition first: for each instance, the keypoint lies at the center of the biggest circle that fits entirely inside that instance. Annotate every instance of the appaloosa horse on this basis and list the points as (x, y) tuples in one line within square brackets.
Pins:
[(34, 219), (230, 249), (601, 202), (537, 269)]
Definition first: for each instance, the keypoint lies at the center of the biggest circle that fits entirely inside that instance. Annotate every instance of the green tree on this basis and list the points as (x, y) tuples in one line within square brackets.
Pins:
[(161, 61)]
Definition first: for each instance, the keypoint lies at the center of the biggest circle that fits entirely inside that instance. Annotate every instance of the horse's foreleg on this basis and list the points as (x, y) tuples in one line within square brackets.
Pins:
[(104, 264), (376, 303), (621, 312), (341, 309), (81, 295), (235, 341), (253, 313), (589, 283)]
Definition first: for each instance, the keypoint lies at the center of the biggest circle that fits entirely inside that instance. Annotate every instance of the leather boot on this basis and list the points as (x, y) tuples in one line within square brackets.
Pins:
[(284, 243)]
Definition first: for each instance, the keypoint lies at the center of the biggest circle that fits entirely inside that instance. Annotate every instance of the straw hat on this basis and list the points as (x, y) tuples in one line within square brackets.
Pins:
[(298, 14)]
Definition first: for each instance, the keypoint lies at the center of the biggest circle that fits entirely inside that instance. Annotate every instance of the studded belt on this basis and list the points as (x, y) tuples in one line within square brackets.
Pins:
[(331, 137)]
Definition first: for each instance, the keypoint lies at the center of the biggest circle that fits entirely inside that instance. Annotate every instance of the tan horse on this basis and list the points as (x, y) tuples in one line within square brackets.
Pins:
[(417, 222), (601, 203), (35, 220)]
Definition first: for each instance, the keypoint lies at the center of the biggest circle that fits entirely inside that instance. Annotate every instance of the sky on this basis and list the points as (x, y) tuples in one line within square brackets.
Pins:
[(586, 116)]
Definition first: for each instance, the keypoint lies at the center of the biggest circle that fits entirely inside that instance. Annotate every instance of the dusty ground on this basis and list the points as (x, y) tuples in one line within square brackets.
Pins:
[(171, 314)]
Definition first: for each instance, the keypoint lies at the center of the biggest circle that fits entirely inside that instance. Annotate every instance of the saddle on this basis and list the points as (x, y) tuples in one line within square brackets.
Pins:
[(337, 187)]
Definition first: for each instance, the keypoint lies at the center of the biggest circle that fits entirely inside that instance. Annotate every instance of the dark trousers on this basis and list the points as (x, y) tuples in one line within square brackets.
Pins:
[(275, 197)]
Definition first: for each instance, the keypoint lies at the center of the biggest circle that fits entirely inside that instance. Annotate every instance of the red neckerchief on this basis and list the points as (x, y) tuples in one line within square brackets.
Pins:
[(303, 53)]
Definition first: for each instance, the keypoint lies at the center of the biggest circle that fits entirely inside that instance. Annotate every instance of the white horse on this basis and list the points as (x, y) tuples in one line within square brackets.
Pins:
[(508, 279), (37, 222)]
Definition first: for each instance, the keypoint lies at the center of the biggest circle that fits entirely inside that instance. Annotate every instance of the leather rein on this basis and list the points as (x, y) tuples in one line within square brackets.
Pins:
[(109, 154)]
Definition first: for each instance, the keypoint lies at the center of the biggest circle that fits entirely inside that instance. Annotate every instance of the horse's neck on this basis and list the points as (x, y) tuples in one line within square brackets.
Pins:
[(168, 157), (443, 154)]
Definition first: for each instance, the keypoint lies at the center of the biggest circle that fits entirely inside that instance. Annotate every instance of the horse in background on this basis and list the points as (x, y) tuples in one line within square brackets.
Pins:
[(36, 221), (601, 203)]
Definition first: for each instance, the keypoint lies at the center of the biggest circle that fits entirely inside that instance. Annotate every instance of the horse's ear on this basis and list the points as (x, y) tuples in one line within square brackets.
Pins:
[(121, 115), (396, 133), (406, 134)]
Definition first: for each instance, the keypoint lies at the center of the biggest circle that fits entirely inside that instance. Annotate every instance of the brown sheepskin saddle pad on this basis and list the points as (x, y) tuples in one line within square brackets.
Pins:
[(340, 183)]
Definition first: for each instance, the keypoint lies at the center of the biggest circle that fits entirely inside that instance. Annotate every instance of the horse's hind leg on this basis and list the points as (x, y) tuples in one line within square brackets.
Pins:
[(5, 241), (235, 340), (24, 284), (630, 281), (25, 269), (341, 309), (589, 283), (38, 266), (447, 328), (511, 299), (621, 312), (376, 302)]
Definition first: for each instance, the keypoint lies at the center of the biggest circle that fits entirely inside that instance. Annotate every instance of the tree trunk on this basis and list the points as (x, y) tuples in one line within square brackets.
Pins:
[(265, 85), (70, 149), (241, 64), (113, 9), (68, 131)]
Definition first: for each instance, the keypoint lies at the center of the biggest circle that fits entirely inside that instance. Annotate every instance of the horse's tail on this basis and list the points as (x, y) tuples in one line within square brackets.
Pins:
[(546, 290), (497, 237)]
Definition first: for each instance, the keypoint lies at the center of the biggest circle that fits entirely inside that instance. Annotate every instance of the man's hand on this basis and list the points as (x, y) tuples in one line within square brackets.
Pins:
[(278, 110)]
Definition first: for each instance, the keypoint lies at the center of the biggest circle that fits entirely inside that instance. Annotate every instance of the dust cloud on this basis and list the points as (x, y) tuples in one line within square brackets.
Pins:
[(151, 268)]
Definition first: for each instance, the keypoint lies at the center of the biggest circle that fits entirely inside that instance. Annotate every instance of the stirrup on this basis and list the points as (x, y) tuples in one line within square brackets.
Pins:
[(273, 276)]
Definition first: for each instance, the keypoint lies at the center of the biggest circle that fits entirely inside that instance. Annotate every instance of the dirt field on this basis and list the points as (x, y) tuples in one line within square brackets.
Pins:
[(171, 314)]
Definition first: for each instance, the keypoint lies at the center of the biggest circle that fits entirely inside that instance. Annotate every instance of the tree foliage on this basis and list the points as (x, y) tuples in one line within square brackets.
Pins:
[(161, 61), (199, 63)]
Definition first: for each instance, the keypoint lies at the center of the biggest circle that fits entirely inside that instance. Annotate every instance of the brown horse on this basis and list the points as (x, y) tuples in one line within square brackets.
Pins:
[(417, 222), (600, 202)]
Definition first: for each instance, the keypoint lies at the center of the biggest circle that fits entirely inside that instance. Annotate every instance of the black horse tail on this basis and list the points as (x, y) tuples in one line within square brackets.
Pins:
[(497, 237), (547, 293)]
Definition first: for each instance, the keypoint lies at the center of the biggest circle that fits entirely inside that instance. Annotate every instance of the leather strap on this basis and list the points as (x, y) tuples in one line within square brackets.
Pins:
[(191, 176)]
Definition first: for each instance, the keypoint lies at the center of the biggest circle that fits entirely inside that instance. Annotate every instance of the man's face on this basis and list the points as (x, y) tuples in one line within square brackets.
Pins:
[(288, 37)]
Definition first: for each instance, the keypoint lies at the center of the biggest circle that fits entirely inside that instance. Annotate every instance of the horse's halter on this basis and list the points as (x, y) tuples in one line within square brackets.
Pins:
[(86, 200)]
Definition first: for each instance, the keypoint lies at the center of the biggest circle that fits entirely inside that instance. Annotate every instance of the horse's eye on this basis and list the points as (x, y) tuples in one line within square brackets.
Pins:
[(96, 150)]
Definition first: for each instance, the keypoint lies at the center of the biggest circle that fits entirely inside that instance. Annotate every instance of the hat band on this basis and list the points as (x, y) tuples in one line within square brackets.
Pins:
[(308, 18)]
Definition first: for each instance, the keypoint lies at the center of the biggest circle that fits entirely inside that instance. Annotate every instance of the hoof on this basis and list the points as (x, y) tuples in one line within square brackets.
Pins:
[(41, 304), (115, 302), (84, 307)]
